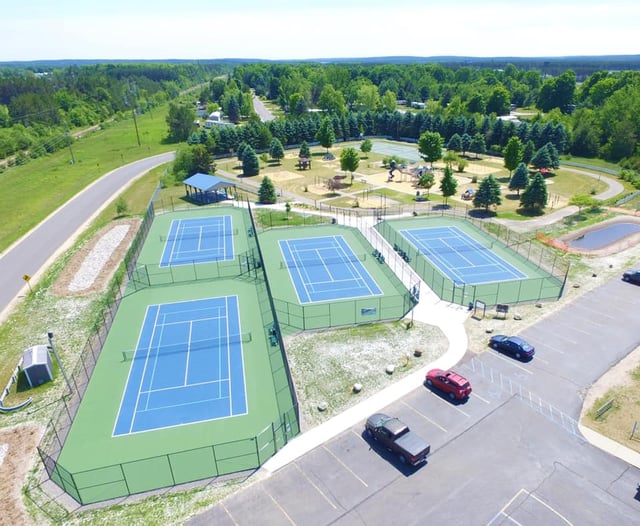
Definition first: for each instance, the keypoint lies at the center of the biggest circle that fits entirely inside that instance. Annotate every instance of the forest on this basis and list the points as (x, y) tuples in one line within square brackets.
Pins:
[(593, 115)]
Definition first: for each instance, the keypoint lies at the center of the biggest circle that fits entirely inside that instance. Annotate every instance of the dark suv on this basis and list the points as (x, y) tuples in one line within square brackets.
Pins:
[(632, 276)]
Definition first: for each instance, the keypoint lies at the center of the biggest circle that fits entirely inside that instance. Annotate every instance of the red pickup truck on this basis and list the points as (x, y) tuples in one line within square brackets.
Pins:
[(395, 435)]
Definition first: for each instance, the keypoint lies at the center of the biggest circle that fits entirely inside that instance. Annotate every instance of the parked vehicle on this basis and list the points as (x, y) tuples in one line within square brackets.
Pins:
[(516, 347), (632, 276), (396, 436), (456, 386)]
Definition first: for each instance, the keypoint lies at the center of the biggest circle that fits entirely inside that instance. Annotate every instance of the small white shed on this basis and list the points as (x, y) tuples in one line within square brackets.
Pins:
[(37, 366)]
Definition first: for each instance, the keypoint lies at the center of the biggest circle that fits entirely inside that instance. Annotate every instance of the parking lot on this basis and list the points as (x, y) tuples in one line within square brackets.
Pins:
[(512, 454)]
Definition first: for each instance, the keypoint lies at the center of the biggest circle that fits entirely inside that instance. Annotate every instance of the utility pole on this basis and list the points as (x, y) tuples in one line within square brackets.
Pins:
[(131, 92)]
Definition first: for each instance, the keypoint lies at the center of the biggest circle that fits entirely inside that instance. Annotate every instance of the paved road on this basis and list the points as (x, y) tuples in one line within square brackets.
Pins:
[(33, 252), (512, 454)]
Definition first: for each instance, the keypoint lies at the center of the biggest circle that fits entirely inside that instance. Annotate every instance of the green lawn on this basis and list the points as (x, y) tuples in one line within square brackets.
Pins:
[(31, 192)]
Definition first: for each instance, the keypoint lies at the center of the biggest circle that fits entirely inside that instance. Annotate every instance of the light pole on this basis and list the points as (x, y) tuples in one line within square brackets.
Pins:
[(55, 353)]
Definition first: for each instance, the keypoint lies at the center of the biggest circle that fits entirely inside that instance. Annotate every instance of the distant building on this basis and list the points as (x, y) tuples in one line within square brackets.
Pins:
[(215, 119)]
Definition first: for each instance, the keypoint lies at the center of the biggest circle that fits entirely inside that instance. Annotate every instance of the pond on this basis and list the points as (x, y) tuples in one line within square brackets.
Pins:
[(596, 239)]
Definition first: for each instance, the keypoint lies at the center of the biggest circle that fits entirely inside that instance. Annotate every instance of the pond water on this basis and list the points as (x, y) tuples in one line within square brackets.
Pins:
[(604, 236)]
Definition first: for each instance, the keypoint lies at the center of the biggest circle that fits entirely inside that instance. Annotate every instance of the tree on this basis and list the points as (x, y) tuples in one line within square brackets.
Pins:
[(499, 101), (520, 179), (427, 180), (536, 195), (276, 151), (332, 101), (233, 110), (455, 143), (448, 184), (582, 201), (267, 192), (250, 162), (180, 121), (325, 134), (305, 151), (349, 160), (513, 154), (488, 193), (366, 146), (287, 208), (478, 145), (542, 159), (201, 159), (430, 146), (466, 143)]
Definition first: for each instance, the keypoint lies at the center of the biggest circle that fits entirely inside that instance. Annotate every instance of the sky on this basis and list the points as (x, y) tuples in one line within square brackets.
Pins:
[(295, 29)]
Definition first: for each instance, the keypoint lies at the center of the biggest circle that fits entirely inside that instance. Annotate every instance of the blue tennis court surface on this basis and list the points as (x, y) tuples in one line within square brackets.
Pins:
[(326, 268), (198, 240), (187, 366), (459, 256)]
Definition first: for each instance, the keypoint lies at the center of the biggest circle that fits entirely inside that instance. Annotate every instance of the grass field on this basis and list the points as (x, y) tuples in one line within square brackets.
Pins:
[(31, 192)]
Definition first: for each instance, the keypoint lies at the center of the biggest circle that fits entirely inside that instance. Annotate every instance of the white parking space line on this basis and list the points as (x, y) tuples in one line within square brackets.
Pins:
[(448, 404), (315, 486), (424, 416), (595, 314), (476, 395), (345, 466), (229, 515), (284, 512), (545, 345), (511, 362)]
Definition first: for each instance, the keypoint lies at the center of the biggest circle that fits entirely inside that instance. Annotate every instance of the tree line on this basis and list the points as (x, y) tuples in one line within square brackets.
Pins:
[(39, 107)]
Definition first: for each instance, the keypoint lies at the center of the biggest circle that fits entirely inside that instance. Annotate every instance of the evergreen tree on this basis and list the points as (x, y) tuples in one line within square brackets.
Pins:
[(325, 134), (542, 159), (513, 154), (305, 151), (528, 152), (466, 142), (520, 179), (536, 195), (455, 143), (488, 193), (233, 110), (448, 184), (267, 192), (276, 150), (478, 145), (430, 146), (349, 160), (250, 162), (240, 151)]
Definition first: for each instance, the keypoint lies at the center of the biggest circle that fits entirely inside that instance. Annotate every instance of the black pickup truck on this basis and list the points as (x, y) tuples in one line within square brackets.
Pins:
[(396, 436)]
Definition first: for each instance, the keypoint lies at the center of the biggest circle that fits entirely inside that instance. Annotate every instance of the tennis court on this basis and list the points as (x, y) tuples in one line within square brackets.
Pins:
[(326, 268), (459, 256), (198, 239), (187, 366)]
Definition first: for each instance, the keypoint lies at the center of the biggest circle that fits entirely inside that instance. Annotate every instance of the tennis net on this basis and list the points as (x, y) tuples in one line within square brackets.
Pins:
[(210, 344), (317, 262), (199, 235), (427, 250)]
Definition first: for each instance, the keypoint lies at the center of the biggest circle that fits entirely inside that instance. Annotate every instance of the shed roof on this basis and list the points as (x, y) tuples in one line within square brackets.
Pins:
[(206, 182)]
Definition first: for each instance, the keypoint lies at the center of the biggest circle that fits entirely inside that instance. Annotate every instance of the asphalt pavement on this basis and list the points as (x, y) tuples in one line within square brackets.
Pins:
[(32, 254)]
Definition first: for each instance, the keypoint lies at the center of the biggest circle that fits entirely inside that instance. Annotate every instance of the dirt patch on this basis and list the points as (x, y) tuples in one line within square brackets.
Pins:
[(97, 260), (284, 175), (17, 452)]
